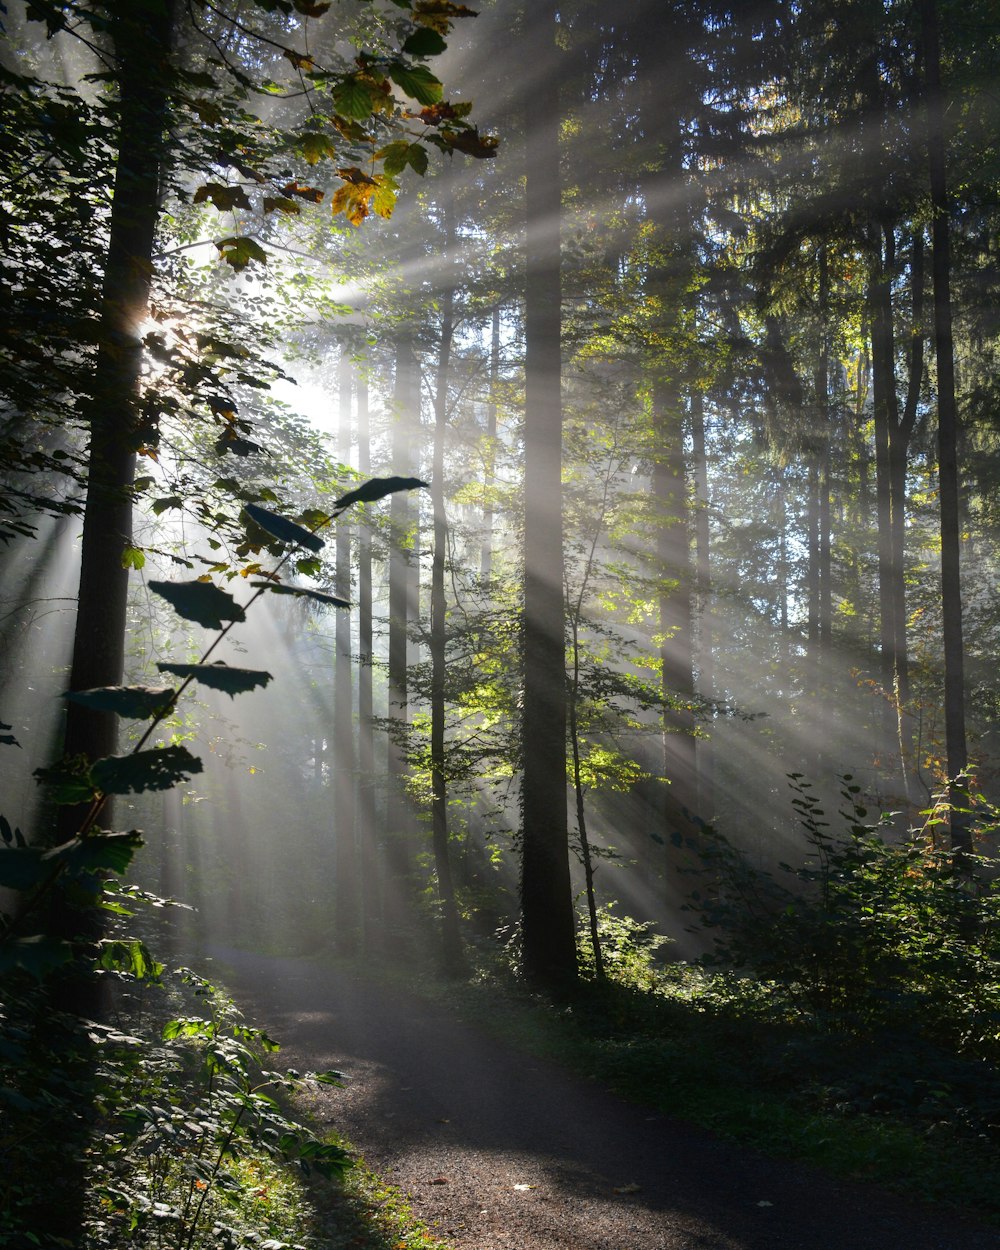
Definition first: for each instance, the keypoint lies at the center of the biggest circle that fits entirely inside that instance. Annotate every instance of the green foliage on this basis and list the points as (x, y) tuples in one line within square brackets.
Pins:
[(871, 934), (628, 949), (189, 1116)]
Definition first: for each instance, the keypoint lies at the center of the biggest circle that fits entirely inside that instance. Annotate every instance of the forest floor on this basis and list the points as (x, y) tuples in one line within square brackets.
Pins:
[(498, 1150)]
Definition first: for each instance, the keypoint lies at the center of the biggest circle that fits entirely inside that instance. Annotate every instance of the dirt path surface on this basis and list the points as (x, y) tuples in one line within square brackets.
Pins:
[(499, 1151)]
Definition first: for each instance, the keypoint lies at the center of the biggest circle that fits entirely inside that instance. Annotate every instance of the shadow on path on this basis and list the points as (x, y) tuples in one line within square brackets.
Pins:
[(501, 1151)]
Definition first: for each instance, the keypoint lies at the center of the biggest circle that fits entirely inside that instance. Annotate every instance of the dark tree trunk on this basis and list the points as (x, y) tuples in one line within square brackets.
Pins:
[(406, 403), (366, 815), (451, 943), (347, 910), (705, 654), (885, 417), (549, 949), (141, 41), (489, 468), (948, 426)]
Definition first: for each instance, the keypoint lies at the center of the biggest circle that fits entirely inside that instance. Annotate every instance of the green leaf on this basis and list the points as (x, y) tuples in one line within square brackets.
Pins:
[(424, 42), (240, 251), (131, 956), (353, 98), (220, 676), (315, 147), (68, 782), (394, 157), (133, 558), (200, 601), (284, 530), (99, 852), (416, 158), (417, 81), (377, 488), (135, 702), (37, 956), (158, 769), (319, 595)]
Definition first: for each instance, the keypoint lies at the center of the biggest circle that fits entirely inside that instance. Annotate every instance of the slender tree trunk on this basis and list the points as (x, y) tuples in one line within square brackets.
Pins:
[(366, 815), (406, 406), (898, 460), (489, 475), (884, 411), (948, 431), (549, 940), (704, 757), (812, 571), (581, 807), (141, 43), (451, 943), (347, 911)]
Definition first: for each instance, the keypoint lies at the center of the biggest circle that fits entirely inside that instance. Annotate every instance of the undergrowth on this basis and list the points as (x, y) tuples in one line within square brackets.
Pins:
[(850, 1015)]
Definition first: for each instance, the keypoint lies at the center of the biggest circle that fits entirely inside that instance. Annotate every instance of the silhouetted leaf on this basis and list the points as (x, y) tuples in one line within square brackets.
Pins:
[(424, 42), (68, 782), (377, 488), (6, 832), (7, 739), (135, 702), (100, 851), (158, 769), (319, 595), (220, 676), (284, 530), (37, 956), (200, 601)]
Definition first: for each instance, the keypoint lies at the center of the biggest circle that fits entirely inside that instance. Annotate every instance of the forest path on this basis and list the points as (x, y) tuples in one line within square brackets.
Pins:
[(501, 1151)]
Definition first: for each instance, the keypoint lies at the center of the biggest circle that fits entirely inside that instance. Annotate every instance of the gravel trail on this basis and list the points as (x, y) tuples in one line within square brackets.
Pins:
[(499, 1151)]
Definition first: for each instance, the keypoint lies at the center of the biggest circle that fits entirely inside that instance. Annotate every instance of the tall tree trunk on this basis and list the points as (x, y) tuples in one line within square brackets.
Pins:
[(347, 910), (142, 45), (899, 443), (141, 41), (586, 854), (704, 757), (948, 429), (451, 943), (489, 468), (406, 402), (892, 434), (549, 941), (366, 815)]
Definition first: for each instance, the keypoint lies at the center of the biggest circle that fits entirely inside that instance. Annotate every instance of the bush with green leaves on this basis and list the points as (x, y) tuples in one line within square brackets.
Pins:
[(185, 1120), (628, 949), (871, 933)]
